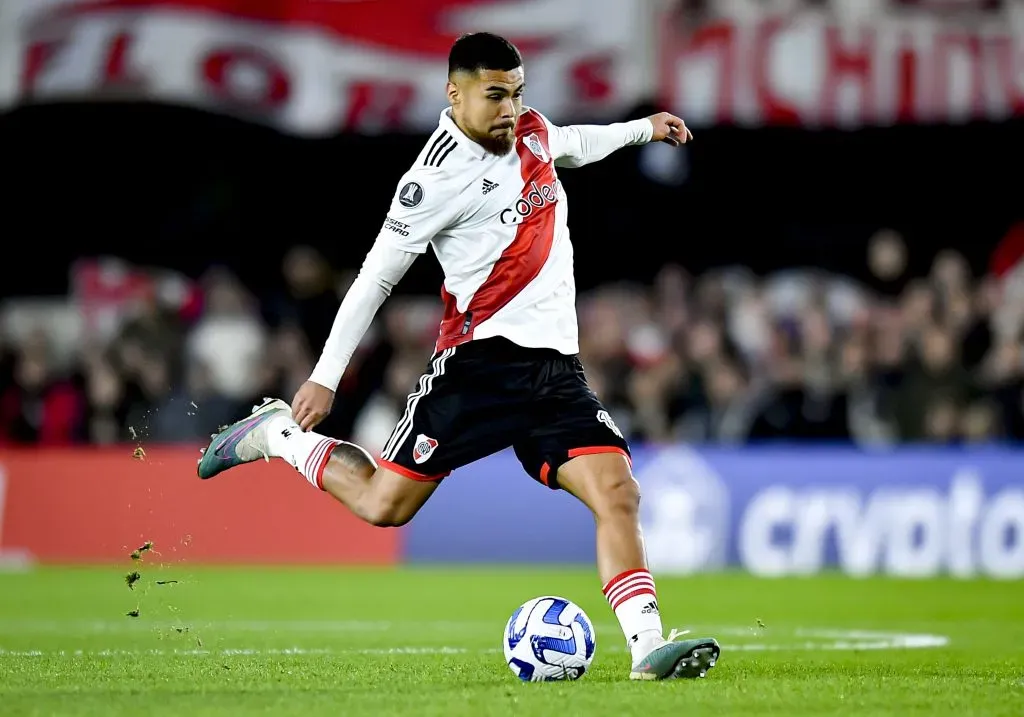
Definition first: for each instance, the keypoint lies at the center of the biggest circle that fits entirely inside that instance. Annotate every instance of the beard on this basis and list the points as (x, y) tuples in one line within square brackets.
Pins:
[(500, 144)]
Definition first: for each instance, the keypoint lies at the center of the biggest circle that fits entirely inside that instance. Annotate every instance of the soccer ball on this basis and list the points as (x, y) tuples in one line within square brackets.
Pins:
[(549, 638)]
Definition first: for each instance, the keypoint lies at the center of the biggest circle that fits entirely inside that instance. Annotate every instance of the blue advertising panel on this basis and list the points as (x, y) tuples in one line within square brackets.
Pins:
[(913, 512)]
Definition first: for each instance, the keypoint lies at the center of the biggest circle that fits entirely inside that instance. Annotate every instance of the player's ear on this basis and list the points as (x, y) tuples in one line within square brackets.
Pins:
[(453, 93)]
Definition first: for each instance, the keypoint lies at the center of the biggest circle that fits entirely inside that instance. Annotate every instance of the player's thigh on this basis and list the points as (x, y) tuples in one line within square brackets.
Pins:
[(572, 425), (461, 411)]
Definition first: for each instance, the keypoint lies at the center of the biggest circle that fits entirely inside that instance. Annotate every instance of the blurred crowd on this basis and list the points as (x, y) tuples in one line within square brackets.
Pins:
[(135, 354), (801, 355)]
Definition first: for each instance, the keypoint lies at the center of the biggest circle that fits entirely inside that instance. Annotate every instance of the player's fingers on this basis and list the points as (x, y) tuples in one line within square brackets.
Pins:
[(678, 126), (680, 135)]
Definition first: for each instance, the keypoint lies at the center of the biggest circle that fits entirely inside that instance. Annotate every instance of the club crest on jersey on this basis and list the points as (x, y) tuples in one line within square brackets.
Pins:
[(534, 144), (425, 445)]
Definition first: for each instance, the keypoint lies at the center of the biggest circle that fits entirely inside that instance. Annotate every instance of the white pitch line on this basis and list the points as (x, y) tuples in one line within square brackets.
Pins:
[(757, 639), (247, 651), (760, 639), (142, 625), (321, 626), (834, 640), (132, 626)]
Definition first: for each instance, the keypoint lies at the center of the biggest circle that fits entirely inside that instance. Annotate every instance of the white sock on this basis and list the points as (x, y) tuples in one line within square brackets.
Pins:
[(635, 602), (307, 452)]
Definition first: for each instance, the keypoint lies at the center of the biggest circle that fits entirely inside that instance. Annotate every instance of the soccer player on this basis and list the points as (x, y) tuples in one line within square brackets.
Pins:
[(485, 194)]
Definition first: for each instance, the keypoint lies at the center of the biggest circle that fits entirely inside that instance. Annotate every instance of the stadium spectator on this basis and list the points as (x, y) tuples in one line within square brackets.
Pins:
[(723, 357)]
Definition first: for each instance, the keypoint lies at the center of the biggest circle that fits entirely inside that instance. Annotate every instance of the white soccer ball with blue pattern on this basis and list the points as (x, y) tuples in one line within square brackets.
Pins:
[(549, 638)]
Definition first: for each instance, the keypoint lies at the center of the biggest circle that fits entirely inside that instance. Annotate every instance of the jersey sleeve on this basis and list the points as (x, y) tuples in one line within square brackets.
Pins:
[(580, 144), (383, 268), (425, 203)]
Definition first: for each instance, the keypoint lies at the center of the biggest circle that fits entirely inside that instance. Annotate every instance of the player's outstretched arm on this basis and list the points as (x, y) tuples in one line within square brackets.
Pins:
[(577, 145)]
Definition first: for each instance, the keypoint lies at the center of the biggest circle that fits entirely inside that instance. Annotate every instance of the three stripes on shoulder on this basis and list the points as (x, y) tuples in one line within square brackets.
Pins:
[(444, 145)]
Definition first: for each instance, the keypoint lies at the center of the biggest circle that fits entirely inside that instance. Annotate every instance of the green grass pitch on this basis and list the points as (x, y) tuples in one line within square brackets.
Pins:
[(427, 641)]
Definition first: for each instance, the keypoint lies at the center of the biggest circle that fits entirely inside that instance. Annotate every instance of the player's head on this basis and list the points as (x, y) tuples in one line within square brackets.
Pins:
[(485, 89)]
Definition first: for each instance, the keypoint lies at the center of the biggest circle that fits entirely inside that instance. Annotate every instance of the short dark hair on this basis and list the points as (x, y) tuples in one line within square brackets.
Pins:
[(483, 51)]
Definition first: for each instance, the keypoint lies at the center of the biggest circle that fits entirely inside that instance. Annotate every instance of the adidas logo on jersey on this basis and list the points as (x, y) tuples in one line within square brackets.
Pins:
[(489, 185)]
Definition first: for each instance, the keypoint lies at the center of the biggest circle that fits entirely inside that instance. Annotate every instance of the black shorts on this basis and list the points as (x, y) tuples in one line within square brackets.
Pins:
[(486, 395)]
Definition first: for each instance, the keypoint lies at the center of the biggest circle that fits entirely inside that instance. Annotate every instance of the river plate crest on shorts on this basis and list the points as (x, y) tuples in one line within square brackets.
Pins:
[(425, 445)]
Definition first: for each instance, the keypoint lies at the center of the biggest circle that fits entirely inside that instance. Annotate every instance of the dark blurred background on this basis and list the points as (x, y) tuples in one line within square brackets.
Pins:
[(173, 256)]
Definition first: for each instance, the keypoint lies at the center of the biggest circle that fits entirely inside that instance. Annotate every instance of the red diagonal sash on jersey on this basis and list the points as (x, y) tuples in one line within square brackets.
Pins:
[(522, 260)]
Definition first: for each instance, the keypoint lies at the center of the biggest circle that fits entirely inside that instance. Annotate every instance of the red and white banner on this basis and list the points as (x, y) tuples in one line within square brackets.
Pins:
[(808, 69), (322, 66), (317, 66)]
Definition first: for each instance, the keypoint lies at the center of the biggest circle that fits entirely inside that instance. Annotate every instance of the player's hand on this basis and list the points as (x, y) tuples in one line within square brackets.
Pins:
[(311, 404), (669, 129)]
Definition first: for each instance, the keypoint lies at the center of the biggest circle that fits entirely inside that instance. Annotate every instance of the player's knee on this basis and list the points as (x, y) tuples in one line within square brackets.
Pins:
[(618, 496), (391, 500), (387, 513)]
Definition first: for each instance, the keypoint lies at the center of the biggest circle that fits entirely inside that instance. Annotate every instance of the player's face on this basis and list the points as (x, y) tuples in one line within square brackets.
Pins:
[(486, 106)]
